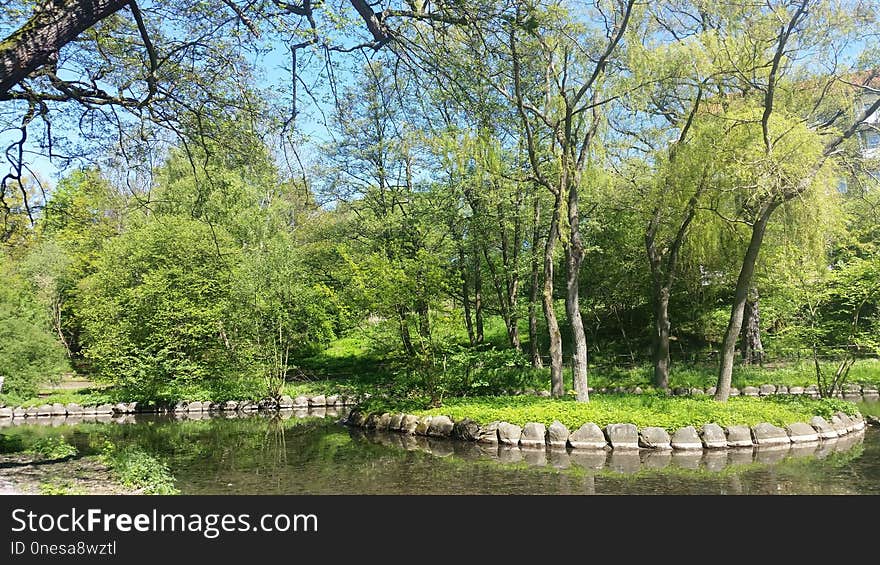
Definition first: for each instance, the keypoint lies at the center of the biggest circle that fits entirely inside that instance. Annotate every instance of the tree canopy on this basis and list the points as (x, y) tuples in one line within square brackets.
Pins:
[(466, 200)]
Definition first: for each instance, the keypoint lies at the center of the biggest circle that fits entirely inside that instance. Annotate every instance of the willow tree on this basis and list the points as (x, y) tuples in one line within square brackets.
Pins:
[(668, 175), (788, 132)]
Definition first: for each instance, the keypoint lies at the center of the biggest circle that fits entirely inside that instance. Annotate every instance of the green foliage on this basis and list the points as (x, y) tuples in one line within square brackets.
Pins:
[(29, 354), (82, 214), (797, 373), (284, 312), (230, 184), (225, 278), (135, 468), (52, 447)]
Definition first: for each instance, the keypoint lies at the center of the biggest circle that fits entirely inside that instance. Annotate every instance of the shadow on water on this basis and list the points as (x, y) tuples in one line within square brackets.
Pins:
[(309, 452)]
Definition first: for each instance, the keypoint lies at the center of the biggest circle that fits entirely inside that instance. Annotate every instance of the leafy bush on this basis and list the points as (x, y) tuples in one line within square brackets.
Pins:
[(157, 312), (461, 371), (135, 468)]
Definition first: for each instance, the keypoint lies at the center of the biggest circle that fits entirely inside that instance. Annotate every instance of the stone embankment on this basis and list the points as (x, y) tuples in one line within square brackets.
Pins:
[(48, 411), (626, 461), (626, 436), (620, 436)]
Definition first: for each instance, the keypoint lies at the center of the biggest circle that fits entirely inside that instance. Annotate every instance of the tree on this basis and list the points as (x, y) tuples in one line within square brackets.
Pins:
[(54, 24), (284, 313), (682, 181), (673, 70), (376, 163), (787, 156), (82, 213), (66, 58), (571, 113), (29, 353)]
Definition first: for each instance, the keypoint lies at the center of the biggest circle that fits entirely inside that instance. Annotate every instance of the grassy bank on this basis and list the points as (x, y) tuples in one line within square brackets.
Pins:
[(644, 410), (351, 363), (34, 461), (349, 366)]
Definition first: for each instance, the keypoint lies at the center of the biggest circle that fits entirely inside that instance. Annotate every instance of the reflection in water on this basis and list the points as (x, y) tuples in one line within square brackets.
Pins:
[(309, 452)]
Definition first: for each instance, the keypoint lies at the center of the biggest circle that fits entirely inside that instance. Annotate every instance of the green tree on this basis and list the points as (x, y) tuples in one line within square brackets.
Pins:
[(158, 312), (284, 311), (29, 353), (567, 112), (82, 213), (783, 154)]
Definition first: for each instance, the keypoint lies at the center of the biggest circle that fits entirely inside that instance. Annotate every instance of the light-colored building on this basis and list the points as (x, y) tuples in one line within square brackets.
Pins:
[(869, 136)]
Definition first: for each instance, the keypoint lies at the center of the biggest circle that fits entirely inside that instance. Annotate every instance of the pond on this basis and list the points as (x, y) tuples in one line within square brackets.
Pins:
[(311, 453)]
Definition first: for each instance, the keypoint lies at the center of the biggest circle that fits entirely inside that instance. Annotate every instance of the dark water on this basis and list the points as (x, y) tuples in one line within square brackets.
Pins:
[(310, 454)]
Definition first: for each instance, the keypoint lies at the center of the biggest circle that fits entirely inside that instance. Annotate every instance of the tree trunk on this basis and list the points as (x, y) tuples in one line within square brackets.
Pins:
[(465, 295), (663, 280), (53, 25), (57, 322), (511, 265), (404, 332), (478, 299), (424, 322), (534, 348), (513, 332), (557, 386), (743, 283), (579, 337), (574, 256), (661, 337), (752, 348)]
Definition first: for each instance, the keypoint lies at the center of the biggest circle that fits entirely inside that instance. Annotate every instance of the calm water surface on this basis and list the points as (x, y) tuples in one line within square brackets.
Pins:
[(313, 454)]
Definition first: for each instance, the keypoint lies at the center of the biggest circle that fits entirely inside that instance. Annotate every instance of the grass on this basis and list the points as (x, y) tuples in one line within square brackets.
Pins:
[(59, 487), (83, 397), (644, 410), (795, 373), (351, 358)]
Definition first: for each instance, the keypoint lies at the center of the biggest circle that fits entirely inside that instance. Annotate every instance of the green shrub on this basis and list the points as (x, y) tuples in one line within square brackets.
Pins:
[(157, 312), (135, 468)]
